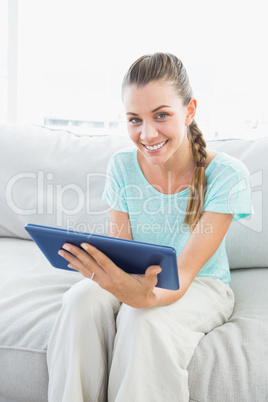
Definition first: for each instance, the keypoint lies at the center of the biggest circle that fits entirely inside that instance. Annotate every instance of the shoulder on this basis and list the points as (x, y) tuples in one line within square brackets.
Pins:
[(228, 186), (122, 163), (224, 162), (211, 154), (225, 171), (124, 155)]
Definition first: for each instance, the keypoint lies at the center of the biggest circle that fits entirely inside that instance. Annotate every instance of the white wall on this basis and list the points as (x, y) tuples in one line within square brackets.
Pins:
[(73, 54)]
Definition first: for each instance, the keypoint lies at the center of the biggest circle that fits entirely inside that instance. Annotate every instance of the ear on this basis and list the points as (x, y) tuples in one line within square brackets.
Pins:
[(191, 110)]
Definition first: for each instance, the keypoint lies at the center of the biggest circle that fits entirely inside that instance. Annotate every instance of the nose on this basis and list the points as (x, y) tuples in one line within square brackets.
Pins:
[(148, 132)]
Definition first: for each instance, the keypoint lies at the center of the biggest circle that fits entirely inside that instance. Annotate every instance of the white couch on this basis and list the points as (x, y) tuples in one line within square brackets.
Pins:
[(56, 178)]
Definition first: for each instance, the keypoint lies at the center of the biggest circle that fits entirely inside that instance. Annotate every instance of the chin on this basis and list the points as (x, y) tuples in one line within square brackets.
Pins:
[(156, 159)]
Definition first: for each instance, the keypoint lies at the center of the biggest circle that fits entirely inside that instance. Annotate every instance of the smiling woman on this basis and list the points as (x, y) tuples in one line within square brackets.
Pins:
[(111, 316)]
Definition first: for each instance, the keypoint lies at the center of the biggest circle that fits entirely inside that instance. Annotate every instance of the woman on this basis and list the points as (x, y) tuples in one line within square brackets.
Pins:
[(118, 337)]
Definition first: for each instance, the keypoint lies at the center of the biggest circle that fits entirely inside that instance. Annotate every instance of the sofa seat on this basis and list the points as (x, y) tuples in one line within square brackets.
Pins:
[(236, 352), (31, 293), (59, 182)]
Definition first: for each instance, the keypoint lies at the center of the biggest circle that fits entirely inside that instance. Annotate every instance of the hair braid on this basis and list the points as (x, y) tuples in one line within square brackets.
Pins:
[(198, 184)]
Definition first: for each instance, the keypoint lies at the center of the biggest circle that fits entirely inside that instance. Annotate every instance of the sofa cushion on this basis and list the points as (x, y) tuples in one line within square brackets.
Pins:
[(236, 352), (31, 297), (247, 239), (48, 176)]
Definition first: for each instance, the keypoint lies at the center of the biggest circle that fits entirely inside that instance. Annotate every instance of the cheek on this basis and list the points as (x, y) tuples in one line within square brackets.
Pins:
[(133, 133), (179, 129)]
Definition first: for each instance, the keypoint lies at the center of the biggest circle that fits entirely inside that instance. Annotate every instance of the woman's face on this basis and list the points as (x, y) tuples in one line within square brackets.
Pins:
[(157, 120)]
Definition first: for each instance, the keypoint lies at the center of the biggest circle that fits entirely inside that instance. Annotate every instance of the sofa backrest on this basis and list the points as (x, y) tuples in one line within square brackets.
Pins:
[(246, 240), (56, 178), (53, 178)]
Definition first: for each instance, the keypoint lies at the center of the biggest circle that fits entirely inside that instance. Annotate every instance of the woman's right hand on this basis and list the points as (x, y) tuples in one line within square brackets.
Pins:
[(135, 290)]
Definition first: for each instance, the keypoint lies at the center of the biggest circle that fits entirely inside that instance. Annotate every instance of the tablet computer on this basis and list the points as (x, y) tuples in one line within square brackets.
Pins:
[(132, 256)]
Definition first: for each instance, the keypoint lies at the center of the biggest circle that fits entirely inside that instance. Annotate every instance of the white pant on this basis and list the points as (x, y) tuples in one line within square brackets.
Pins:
[(101, 350)]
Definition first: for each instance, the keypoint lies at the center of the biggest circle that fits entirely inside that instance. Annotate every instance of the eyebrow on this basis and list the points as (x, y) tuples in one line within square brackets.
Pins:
[(153, 111)]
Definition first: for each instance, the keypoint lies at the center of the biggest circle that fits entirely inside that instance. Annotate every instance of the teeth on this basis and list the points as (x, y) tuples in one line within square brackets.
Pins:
[(155, 146)]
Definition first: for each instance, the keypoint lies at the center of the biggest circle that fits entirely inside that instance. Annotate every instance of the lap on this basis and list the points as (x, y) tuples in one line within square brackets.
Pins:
[(87, 296), (207, 303)]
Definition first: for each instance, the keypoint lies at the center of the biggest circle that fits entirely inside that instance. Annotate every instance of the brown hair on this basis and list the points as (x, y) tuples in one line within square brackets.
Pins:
[(167, 67)]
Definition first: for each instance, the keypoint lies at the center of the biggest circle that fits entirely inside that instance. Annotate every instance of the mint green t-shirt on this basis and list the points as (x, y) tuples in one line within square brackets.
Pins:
[(158, 218)]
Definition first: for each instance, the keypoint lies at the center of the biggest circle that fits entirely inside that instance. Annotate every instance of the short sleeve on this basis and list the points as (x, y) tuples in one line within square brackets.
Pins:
[(114, 191), (229, 191)]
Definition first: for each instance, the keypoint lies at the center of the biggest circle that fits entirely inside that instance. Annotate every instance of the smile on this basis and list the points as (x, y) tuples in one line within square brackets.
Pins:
[(154, 147)]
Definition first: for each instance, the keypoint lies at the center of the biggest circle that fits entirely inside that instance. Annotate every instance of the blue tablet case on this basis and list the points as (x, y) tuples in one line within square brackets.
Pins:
[(131, 256)]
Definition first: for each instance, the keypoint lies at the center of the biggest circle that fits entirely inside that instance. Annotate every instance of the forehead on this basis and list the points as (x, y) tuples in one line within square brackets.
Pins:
[(150, 96)]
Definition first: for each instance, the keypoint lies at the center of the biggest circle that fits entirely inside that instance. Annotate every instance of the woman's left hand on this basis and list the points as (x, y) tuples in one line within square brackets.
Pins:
[(134, 290)]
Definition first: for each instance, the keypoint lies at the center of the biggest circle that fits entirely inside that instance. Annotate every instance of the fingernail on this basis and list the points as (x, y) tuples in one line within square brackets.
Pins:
[(60, 253), (84, 246), (66, 247)]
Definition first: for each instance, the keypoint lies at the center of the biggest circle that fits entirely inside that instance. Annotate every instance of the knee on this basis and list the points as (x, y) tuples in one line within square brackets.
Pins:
[(139, 320), (87, 297)]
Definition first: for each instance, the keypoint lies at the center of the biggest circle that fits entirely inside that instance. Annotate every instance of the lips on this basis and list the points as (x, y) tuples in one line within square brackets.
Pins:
[(156, 146)]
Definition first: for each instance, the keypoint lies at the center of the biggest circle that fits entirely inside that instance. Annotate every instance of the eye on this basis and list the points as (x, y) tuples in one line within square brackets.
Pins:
[(134, 120), (161, 116)]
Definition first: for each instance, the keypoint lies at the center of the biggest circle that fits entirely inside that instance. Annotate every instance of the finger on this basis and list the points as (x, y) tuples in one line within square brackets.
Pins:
[(79, 254), (76, 263), (71, 258), (88, 264), (73, 254), (151, 274), (102, 260), (71, 266), (153, 270)]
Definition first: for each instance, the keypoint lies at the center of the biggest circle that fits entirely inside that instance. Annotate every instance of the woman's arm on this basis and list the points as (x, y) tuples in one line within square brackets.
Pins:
[(139, 290), (200, 246), (134, 290), (119, 225)]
